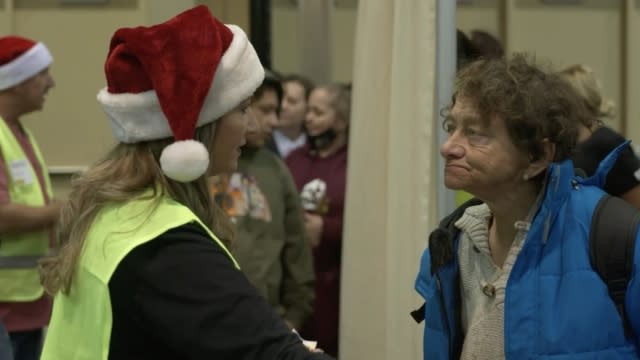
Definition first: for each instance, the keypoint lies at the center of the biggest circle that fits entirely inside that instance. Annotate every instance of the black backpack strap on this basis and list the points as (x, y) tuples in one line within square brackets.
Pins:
[(441, 245), (441, 239), (418, 314), (613, 234)]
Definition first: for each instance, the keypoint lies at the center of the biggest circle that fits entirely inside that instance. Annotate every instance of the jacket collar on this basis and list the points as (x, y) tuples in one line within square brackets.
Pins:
[(599, 178)]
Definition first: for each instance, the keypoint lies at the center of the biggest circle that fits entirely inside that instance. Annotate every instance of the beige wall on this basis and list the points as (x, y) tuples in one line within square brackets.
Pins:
[(482, 14), (5, 19), (593, 38), (160, 11), (285, 50), (286, 39), (228, 11), (344, 21), (633, 70), (61, 185)]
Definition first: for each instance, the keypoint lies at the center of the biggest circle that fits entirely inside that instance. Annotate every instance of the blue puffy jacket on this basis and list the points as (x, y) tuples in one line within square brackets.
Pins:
[(556, 305)]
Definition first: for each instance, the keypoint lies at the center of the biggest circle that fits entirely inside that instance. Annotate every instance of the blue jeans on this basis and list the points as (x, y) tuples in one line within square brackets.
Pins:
[(26, 344), (5, 344)]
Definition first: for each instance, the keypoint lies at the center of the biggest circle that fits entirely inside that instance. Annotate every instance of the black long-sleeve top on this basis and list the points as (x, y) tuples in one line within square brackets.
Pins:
[(180, 297)]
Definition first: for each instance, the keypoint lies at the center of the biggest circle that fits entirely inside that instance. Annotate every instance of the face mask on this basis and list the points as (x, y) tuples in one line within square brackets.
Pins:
[(322, 140)]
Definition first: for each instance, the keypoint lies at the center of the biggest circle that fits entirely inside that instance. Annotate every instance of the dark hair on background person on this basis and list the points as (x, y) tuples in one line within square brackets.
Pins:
[(465, 50), (486, 44), (306, 83), (272, 80)]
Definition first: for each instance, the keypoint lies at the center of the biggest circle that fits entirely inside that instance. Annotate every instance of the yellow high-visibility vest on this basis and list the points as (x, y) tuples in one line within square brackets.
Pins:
[(80, 327), (461, 197), (19, 253)]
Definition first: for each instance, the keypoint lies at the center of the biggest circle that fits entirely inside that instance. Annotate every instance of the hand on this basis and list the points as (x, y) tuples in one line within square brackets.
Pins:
[(313, 226), (309, 344)]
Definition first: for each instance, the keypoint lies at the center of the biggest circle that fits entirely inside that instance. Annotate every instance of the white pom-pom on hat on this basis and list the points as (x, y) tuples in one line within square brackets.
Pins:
[(185, 160)]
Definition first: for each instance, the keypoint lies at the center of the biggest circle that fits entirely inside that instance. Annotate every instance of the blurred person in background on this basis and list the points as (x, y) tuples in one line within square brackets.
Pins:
[(263, 202), (289, 134), (596, 140), (320, 170), (28, 210)]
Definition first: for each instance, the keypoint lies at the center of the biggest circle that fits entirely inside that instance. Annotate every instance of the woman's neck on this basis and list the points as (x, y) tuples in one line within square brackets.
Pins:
[(511, 207), (291, 132), (8, 111), (338, 143)]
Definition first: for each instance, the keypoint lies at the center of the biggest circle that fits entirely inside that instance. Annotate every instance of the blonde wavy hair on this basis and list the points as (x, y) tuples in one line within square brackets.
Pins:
[(583, 80), (125, 173)]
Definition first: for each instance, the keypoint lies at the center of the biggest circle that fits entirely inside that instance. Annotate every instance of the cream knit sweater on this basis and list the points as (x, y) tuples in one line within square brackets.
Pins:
[(483, 285)]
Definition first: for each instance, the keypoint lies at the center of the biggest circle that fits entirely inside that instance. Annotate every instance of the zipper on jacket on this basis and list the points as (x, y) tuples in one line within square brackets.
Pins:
[(444, 312)]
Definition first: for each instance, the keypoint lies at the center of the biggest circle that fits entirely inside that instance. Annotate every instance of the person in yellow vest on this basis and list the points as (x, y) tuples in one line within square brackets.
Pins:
[(142, 269), (27, 208)]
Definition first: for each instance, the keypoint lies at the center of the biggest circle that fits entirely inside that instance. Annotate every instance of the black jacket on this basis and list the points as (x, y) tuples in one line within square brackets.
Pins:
[(180, 297)]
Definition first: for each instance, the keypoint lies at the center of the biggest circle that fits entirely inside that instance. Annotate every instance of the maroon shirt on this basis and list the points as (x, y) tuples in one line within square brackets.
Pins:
[(34, 314), (305, 167)]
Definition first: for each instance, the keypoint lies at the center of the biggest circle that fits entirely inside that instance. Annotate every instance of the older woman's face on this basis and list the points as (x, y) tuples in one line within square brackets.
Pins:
[(480, 159)]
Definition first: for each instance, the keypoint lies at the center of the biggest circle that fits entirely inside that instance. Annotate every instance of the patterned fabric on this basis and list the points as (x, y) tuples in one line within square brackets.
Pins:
[(239, 195)]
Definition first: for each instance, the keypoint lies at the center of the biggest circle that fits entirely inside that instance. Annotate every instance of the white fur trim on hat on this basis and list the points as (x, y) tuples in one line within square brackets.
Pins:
[(138, 117), (184, 161), (25, 66)]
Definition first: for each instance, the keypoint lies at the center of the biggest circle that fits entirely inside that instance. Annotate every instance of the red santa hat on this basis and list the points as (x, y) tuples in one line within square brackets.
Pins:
[(168, 79), (20, 59)]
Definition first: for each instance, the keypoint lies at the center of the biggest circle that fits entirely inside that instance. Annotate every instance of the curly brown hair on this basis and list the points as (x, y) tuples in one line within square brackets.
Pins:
[(535, 103)]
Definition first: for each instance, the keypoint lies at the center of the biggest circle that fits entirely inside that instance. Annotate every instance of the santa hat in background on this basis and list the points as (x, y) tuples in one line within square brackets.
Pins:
[(20, 59), (168, 79)]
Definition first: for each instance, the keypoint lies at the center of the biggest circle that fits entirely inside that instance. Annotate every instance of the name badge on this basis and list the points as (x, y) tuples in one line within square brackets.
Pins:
[(21, 172)]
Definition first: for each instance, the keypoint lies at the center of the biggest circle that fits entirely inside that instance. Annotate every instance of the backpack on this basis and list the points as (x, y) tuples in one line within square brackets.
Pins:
[(612, 239)]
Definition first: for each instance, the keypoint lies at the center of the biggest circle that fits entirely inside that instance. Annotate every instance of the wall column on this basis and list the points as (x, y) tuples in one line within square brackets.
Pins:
[(390, 200)]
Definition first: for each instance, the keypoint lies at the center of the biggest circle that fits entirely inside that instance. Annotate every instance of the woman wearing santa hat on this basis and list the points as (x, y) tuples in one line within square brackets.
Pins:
[(142, 269)]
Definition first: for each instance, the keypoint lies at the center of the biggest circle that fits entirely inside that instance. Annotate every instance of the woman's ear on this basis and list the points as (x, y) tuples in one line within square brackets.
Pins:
[(536, 167)]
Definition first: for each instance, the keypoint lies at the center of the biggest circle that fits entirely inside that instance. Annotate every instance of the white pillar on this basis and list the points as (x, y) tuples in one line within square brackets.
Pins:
[(390, 204), (446, 66)]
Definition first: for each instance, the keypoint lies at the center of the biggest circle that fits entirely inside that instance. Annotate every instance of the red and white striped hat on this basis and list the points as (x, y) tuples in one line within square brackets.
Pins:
[(20, 59)]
